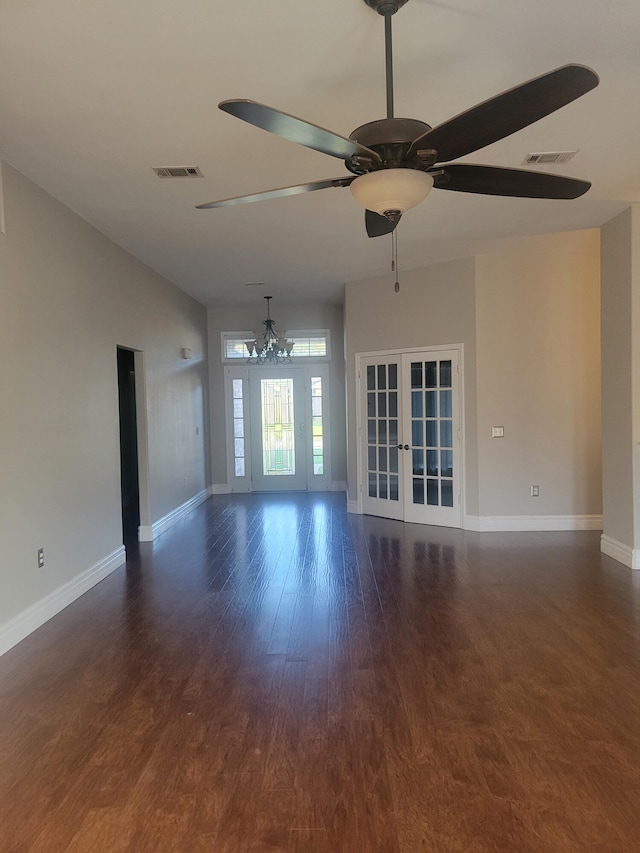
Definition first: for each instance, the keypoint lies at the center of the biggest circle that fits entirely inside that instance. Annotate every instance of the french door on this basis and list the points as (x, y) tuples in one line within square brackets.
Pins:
[(410, 436)]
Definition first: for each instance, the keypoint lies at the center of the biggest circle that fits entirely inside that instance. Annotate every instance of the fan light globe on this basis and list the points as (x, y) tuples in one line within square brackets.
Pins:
[(391, 189)]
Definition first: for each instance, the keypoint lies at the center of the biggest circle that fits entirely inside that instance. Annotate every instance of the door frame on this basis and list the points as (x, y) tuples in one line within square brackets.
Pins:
[(320, 483), (144, 493), (399, 352)]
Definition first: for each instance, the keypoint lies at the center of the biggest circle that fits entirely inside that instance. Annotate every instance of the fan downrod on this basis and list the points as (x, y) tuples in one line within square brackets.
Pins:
[(386, 7)]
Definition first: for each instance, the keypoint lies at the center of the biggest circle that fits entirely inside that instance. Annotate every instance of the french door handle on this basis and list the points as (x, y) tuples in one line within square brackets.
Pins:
[(400, 447)]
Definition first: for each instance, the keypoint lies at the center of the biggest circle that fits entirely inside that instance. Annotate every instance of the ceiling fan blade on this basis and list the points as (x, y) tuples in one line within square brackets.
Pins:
[(378, 226), (506, 113), (491, 180), (278, 193), (297, 130)]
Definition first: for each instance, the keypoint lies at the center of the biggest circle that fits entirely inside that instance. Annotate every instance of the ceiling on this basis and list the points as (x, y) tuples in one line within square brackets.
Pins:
[(93, 95)]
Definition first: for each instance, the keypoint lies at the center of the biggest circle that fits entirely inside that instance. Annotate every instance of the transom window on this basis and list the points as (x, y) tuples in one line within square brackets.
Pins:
[(311, 344)]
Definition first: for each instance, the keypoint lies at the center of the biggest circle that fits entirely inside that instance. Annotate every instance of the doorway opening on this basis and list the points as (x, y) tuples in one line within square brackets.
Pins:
[(129, 476)]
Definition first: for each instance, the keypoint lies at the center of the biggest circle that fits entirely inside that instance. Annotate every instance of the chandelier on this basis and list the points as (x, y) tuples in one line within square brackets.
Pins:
[(272, 348)]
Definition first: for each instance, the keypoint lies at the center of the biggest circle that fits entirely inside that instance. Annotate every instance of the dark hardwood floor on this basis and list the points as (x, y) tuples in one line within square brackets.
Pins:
[(274, 675)]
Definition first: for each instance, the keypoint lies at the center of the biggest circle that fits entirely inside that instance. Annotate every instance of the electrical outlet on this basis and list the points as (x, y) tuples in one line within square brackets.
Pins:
[(40, 558), (535, 491)]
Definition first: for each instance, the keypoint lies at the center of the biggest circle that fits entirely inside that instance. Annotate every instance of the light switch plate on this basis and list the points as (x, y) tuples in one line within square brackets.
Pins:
[(497, 432)]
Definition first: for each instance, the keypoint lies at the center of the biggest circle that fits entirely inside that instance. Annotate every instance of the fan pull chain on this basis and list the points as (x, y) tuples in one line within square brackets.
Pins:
[(394, 259)]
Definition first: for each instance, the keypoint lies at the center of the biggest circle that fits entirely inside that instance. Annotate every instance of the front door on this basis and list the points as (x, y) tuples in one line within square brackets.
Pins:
[(410, 420), (278, 429)]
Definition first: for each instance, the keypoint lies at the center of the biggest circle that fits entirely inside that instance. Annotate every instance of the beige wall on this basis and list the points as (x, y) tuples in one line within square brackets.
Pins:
[(538, 356), (287, 316), (68, 298), (529, 321), (434, 306), (621, 377)]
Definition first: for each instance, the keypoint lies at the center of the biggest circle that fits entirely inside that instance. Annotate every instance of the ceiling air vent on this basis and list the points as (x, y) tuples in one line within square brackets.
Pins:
[(544, 158), (178, 172), (254, 284)]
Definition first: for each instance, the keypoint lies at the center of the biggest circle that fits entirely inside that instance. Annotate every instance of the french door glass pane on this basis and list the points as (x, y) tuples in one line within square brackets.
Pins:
[(382, 432), (432, 432)]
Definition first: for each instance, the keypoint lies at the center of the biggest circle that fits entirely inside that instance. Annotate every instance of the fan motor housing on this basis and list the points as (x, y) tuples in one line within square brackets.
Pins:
[(391, 138), (386, 7)]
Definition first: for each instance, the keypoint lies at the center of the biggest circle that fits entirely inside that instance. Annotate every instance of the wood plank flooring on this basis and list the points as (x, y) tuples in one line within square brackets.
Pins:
[(274, 675)]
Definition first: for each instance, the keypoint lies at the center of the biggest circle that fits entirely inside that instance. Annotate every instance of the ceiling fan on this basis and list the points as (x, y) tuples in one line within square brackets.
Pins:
[(394, 162)]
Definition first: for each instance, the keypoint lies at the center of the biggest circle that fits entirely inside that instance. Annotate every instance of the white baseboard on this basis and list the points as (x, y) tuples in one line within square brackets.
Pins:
[(338, 486), (354, 506), (147, 533), (619, 551), (33, 617), (519, 523), (220, 489)]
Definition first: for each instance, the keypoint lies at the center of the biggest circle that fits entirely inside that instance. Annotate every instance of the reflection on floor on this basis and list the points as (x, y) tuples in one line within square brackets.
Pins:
[(274, 675)]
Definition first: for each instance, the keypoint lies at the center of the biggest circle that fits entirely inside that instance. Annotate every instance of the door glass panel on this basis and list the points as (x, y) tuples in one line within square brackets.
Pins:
[(278, 437), (371, 377), (431, 407), (416, 374), (432, 492), (447, 493), (446, 433), (431, 374), (393, 488), (371, 458), (382, 486), (416, 433), (416, 404), (445, 374), (317, 426), (446, 458), (418, 461), (418, 490), (239, 467), (381, 432), (432, 463), (445, 404), (373, 484), (432, 434)]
